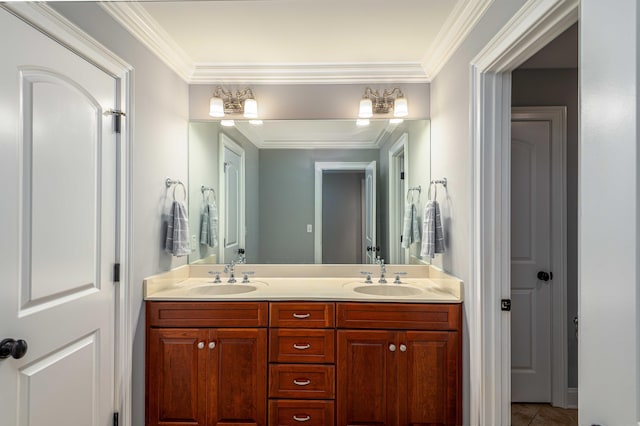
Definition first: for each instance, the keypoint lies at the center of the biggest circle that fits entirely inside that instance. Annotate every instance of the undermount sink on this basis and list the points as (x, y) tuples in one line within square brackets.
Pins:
[(220, 289), (388, 290)]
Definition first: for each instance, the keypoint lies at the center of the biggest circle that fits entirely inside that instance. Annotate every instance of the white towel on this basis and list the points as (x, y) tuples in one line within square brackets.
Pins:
[(177, 242), (432, 232), (411, 228), (209, 225)]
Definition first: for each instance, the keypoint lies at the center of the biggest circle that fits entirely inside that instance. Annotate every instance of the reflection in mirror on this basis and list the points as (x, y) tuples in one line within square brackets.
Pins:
[(315, 191)]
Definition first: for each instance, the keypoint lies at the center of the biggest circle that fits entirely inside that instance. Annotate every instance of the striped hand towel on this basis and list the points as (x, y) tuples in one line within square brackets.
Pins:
[(209, 225), (432, 232), (177, 242), (411, 228)]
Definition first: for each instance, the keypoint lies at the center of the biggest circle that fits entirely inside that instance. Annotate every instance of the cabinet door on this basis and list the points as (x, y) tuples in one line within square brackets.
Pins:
[(176, 382), (429, 378), (367, 377), (237, 379)]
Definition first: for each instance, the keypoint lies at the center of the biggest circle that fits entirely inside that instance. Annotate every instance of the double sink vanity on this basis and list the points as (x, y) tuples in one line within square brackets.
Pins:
[(304, 345)]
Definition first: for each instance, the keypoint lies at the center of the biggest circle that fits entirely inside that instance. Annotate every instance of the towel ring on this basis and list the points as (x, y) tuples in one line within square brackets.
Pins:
[(410, 192), (168, 182)]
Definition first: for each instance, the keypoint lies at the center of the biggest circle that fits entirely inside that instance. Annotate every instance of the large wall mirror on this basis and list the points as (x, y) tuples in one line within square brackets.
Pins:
[(306, 191)]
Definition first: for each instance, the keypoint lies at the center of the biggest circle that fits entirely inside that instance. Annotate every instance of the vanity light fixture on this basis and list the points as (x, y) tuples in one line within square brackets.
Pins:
[(373, 102), (226, 102), (227, 123), (361, 122)]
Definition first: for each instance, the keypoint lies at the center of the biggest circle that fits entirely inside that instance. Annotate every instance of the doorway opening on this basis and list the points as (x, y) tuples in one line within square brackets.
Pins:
[(232, 193), (530, 29), (368, 247), (398, 171)]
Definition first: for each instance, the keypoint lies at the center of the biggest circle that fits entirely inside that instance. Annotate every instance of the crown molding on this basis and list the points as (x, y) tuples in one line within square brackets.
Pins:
[(135, 19), (462, 19), (321, 73)]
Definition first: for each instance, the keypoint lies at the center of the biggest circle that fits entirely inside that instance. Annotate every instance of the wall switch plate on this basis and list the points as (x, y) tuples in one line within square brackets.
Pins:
[(194, 243), (309, 228)]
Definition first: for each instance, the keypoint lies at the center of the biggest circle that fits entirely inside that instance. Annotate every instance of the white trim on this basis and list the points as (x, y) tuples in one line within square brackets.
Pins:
[(572, 398), (532, 27), (400, 146), (559, 346), (56, 26), (462, 19), (319, 168), (227, 142), (134, 18), (318, 73)]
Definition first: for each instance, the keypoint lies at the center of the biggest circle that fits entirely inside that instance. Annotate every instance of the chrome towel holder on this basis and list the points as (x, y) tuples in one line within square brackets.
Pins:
[(170, 182)]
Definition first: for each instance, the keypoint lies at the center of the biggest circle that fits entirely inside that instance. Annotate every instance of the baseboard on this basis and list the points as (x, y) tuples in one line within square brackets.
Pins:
[(572, 398)]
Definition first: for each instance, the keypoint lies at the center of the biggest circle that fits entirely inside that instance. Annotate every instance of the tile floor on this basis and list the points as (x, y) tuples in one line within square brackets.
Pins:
[(542, 414)]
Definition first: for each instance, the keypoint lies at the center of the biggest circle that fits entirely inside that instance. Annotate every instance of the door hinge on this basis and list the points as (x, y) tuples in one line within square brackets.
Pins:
[(116, 419), (400, 238), (117, 119), (116, 273), (505, 305), (401, 175)]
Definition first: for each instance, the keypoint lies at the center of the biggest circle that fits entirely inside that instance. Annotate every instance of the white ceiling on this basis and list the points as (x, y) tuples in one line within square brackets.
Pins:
[(301, 41)]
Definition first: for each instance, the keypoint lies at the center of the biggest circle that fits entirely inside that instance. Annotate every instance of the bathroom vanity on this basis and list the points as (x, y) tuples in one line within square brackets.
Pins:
[(273, 356)]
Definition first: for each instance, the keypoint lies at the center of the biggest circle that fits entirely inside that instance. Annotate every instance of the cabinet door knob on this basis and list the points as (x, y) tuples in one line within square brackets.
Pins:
[(201, 345), (301, 347), (403, 348), (301, 419), (392, 347), (212, 345), (301, 316), (301, 382), (13, 348)]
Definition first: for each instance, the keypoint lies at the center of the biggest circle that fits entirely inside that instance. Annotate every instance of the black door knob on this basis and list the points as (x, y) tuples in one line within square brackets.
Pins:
[(544, 276), (13, 348), (369, 248)]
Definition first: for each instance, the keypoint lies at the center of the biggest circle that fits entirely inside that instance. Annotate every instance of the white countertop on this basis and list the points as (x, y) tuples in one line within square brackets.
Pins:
[(190, 285)]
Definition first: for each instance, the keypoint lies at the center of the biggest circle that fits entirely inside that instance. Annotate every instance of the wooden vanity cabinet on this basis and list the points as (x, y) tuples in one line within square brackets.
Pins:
[(399, 364), (206, 363)]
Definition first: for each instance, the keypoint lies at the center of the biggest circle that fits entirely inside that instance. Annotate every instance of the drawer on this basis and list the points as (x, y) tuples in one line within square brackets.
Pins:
[(308, 413), (294, 345), (301, 381), (405, 316), (302, 315), (207, 314)]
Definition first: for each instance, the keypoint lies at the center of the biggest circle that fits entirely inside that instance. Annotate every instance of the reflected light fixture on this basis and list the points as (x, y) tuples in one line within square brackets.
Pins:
[(224, 102), (373, 102)]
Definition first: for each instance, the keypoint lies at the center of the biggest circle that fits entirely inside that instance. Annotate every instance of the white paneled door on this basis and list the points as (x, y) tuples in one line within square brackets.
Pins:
[(58, 246), (233, 222), (530, 261)]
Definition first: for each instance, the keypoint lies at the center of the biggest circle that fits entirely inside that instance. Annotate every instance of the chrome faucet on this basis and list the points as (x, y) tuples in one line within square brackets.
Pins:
[(383, 270), (230, 269)]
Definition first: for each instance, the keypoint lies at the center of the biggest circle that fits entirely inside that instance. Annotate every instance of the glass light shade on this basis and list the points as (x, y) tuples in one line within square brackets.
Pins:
[(362, 122), (216, 107), (227, 123), (366, 108), (400, 107), (250, 108), (395, 120), (255, 122)]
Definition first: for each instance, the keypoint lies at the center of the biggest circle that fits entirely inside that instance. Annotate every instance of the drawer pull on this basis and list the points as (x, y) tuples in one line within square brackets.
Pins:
[(301, 316), (303, 382), (302, 419), (301, 347)]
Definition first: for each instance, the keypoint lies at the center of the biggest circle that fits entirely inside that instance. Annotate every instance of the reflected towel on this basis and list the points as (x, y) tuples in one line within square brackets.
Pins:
[(177, 242), (432, 232), (209, 225), (411, 228)]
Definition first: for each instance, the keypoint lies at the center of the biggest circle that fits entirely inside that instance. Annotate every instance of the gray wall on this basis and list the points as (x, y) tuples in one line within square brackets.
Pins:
[(287, 185), (559, 87), (159, 144), (342, 217), (303, 101)]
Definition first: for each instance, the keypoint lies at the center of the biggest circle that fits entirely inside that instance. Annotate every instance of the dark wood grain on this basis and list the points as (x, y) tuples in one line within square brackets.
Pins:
[(401, 316), (302, 314), (301, 381), (207, 314), (319, 413), (285, 344)]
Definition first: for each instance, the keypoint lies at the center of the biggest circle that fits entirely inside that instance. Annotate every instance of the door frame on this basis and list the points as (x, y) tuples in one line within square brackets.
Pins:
[(227, 142), (531, 28), (401, 146), (557, 115), (60, 29), (319, 168)]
